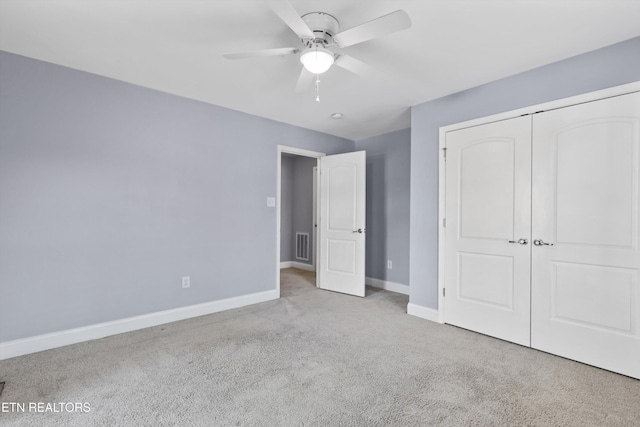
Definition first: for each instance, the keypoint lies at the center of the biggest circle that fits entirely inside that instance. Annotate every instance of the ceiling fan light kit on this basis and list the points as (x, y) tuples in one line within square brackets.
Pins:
[(318, 31), (317, 59)]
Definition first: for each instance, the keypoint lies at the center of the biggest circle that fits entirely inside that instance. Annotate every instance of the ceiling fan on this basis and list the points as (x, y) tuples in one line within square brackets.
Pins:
[(318, 32)]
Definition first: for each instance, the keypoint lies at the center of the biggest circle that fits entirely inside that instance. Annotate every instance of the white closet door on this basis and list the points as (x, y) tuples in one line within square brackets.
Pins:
[(585, 299), (488, 204)]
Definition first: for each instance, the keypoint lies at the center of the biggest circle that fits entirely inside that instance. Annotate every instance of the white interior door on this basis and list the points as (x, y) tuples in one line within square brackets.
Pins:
[(342, 223), (488, 224), (585, 298)]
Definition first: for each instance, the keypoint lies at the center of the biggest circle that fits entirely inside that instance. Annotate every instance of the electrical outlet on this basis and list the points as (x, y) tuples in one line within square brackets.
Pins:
[(186, 282), (389, 264)]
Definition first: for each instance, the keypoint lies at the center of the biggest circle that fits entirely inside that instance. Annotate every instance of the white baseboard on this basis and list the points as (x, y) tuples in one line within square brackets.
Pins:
[(387, 285), (72, 336), (424, 312), (298, 265), (303, 266)]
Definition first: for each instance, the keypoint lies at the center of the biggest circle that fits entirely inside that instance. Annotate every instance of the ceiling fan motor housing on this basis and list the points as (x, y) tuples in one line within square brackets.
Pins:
[(324, 27)]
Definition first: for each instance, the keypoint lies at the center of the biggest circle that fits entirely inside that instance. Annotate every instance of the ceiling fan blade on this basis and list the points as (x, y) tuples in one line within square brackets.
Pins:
[(360, 68), (288, 14), (387, 24), (304, 81), (261, 53)]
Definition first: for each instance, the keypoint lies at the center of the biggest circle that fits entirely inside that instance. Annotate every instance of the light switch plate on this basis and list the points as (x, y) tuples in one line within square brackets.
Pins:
[(271, 202)]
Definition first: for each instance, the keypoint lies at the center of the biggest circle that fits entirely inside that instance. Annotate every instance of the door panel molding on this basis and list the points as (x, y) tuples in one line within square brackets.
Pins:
[(620, 296)]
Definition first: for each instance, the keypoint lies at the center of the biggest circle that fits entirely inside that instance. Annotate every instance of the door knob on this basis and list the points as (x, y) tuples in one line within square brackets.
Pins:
[(359, 230), (521, 241), (540, 242)]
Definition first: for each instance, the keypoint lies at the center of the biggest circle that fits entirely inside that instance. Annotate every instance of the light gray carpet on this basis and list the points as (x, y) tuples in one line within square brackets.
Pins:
[(315, 358)]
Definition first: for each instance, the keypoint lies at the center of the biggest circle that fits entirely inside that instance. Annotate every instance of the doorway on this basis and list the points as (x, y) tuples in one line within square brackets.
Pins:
[(295, 210), (340, 219)]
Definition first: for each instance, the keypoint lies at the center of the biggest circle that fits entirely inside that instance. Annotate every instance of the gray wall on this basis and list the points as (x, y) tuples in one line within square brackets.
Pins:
[(286, 208), (110, 193), (611, 66), (388, 165)]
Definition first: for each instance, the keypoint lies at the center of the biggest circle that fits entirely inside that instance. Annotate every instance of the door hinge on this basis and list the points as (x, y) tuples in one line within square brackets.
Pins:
[(444, 153), (444, 222), (444, 292)]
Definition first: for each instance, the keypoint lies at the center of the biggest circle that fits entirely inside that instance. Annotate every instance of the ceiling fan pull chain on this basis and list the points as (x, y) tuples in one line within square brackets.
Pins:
[(317, 87)]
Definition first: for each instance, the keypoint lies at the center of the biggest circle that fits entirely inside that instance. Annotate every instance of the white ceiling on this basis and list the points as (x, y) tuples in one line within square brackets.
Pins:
[(176, 46)]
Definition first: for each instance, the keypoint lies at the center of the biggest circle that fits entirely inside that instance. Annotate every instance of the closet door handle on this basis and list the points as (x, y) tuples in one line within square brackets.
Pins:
[(540, 242), (521, 241)]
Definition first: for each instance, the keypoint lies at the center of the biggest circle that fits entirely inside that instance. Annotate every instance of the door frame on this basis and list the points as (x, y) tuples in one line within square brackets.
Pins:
[(316, 205), (533, 109), (298, 152)]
